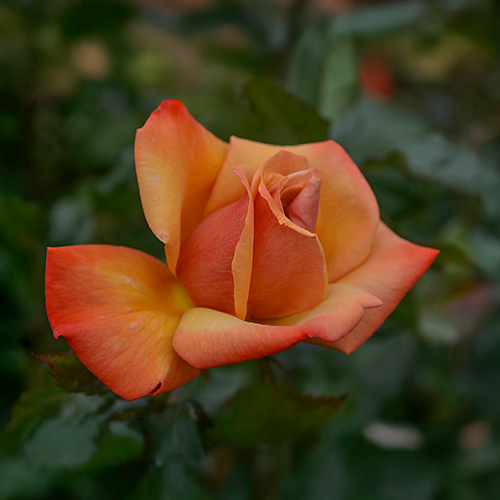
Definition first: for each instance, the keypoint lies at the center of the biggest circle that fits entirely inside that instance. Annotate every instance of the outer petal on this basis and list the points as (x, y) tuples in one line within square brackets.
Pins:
[(177, 162), (118, 309), (207, 338), (393, 267), (349, 213), (215, 261)]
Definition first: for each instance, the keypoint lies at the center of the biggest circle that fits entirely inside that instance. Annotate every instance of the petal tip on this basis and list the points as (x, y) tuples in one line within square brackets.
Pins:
[(373, 302), (433, 253), (173, 106)]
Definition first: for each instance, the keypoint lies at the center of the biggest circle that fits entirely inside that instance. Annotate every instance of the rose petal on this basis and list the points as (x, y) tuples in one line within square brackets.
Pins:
[(177, 162), (215, 262), (304, 188), (282, 163), (349, 213), (207, 338), (118, 309), (392, 268), (227, 187), (289, 271)]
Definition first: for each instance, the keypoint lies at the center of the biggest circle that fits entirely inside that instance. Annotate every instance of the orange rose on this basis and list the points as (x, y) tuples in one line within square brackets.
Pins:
[(266, 246)]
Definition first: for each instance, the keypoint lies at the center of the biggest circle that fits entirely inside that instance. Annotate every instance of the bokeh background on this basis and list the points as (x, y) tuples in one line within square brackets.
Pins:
[(412, 90)]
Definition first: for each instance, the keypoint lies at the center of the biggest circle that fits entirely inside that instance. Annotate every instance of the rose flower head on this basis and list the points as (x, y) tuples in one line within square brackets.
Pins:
[(266, 246)]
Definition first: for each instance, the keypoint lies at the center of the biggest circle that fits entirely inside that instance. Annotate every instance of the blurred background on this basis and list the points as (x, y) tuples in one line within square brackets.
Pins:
[(412, 90)]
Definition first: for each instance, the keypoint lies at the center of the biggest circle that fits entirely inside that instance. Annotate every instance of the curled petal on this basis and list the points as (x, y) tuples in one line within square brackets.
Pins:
[(289, 271), (177, 162), (392, 268), (348, 211), (215, 261), (206, 338), (118, 309), (281, 164), (227, 188), (299, 195)]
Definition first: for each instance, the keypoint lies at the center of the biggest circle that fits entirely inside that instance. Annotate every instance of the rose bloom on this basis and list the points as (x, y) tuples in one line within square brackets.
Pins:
[(266, 246)]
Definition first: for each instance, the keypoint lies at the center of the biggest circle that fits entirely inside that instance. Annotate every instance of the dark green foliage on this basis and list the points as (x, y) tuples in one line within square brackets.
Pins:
[(292, 120), (70, 374), (33, 407), (272, 414), (94, 18)]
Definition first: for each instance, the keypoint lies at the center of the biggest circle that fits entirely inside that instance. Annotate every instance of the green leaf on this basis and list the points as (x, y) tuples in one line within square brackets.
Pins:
[(64, 442), (272, 414), (398, 193), (178, 483), (380, 20), (324, 71), (19, 479), (433, 157), (71, 375), (68, 438), (306, 66), (34, 406), (121, 444), (381, 380), (293, 120), (338, 86), (374, 131), (486, 246), (177, 456), (47, 418), (170, 481), (178, 437)]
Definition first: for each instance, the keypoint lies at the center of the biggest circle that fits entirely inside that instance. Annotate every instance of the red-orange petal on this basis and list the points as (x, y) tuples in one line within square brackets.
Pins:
[(118, 309), (348, 213), (177, 162), (206, 338), (392, 268), (289, 271), (215, 261)]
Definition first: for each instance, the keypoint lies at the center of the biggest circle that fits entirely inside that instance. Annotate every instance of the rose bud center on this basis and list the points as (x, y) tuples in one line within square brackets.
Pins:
[(259, 256)]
